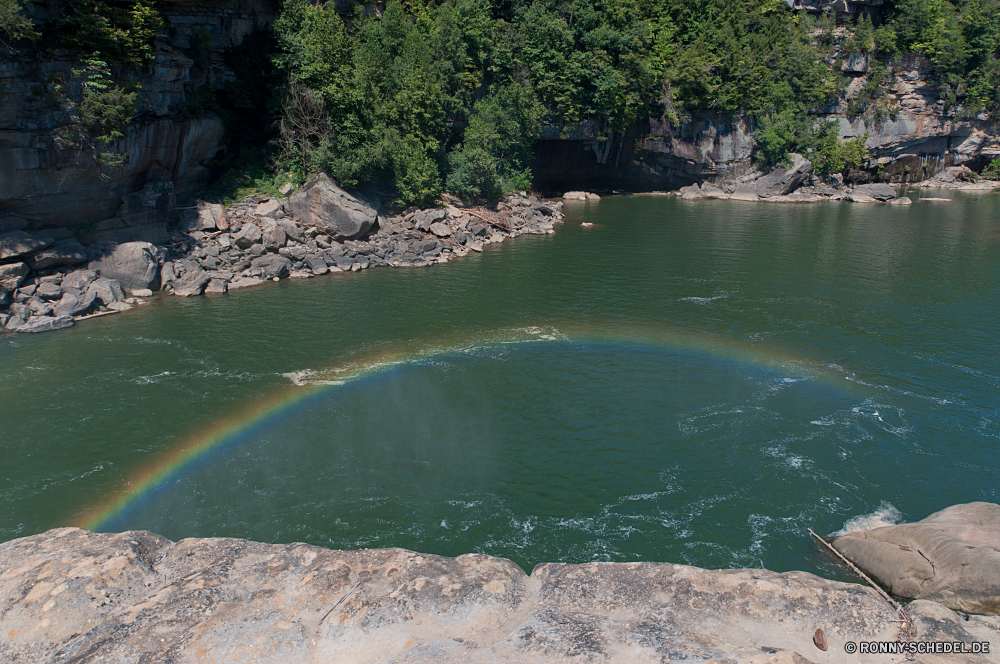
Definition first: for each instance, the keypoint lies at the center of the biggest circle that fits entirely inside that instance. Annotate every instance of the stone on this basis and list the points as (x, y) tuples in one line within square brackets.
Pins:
[(120, 306), (137, 596), (17, 244), (79, 279), (424, 219), (860, 198), (785, 179), (192, 283), (292, 230), (244, 282), (440, 229), (317, 264), (247, 236), (952, 557), (49, 291), (880, 192), (5, 299), (216, 287), (133, 264), (142, 292), (286, 189), (106, 291), (323, 204), (272, 265), (273, 237), (69, 252), (902, 200), (575, 196), (691, 193), (744, 191), (12, 223), (709, 190), (72, 304), (45, 324), (205, 216), (267, 208), (300, 275), (12, 275), (480, 230), (257, 250)]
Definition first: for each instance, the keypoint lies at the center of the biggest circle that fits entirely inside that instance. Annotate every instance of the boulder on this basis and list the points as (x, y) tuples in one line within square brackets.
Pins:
[(902, 200), (69, 252), (272, 265), (951, 557), (5, 298), (72, 304), (45, 324), (216, 287), (192, 283), (709, 190), (424, 219), (575, 196), (247, 236), (135, 265), (441, 229), (49, 291), (16, 244), (273, 236), (244, 282), (12, 274), (691, 193), (880, 192), (205, 216), (106, 291), (317, 264), (292, 230), (322, 203), (80, 279), (744, 191), (267, 209), (286, 189), (860, 198), (784, 179)]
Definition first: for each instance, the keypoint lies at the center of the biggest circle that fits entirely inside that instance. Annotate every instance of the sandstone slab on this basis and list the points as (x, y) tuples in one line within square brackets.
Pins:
[(951, 557), (72, 595), (17, 244)]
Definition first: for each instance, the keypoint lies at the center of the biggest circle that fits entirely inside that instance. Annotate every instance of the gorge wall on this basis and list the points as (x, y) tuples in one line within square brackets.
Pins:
[(921, 137), (48, 180)]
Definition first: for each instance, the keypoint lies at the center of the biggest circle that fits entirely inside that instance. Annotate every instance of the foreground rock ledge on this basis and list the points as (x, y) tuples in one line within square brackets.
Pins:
[(70, 595)]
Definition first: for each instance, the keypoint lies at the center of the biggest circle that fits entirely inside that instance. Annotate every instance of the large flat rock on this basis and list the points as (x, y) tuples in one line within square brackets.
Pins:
[(320, 202), (69, 595), (951, 557)]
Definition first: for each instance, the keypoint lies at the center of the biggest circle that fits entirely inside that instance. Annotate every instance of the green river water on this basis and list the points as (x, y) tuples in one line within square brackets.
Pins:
[(691, 382)]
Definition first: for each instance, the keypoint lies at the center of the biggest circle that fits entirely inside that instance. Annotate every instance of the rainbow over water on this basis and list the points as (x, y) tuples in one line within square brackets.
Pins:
[(310, 387)]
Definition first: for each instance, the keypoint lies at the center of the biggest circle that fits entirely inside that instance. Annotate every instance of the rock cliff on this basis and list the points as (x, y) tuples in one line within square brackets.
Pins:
[(70, 595), (47, 180)]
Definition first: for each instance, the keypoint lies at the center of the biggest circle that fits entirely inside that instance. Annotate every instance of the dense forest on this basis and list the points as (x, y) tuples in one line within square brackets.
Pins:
[(433, 95)]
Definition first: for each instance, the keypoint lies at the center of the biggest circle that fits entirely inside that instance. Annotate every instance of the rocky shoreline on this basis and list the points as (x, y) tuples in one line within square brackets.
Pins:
[(50, 281), (69, 595)]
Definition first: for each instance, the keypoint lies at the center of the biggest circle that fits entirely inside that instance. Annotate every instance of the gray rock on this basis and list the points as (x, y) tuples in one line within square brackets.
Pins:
[(441, 229), (205, 216), (142, 292), (73, 304), (322, 203), (286, 189), (709, 190), (106, 291), (317, 264), (49, 291), (784, 180), (244, 282), (12, 275), (902, 200), (424, 219), (951, 557), (8, 224), (216, 287), (273, 237), (120, 306), (5, 299), (134, 265), (267, 208), (168, 274), (292, 230), (691, 193), (69, 252), (257, 250), (302, 603), (79, 279), (272, 265), (480, 230), (45, 324), (880, 192), (247, 236), (16, 244), (192, 283)]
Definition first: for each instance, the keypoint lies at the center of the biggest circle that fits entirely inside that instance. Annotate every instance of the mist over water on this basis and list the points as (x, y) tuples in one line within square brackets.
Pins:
[(694, 382)]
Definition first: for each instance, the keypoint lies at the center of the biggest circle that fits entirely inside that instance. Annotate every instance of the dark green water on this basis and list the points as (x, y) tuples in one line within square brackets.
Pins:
[(686, 382)]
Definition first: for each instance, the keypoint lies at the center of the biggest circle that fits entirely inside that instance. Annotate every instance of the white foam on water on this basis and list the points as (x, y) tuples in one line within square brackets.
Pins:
[(704, 300), (884, 515)]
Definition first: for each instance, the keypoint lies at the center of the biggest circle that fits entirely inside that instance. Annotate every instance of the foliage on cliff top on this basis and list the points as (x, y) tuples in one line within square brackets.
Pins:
[(14, 22)]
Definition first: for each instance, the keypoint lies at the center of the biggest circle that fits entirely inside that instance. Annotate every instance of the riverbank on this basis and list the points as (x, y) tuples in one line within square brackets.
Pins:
[(52, 282), (74, 595)]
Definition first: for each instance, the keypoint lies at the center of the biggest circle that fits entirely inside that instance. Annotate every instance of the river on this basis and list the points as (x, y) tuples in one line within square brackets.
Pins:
[(691, 382)]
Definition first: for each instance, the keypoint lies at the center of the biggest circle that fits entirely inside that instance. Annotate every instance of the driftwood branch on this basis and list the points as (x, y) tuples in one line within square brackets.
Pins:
[(904, 628), (340, 601)]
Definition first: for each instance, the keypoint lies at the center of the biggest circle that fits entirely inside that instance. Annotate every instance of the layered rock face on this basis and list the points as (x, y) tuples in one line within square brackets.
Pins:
[(46, 179), (920, 138), (71, 595)]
